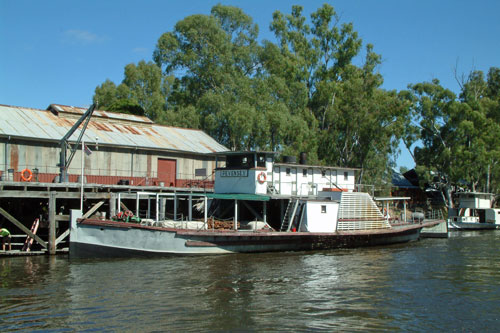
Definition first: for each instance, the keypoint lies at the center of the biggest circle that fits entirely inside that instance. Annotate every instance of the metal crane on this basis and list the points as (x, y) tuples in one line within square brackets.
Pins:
[(63, 162)]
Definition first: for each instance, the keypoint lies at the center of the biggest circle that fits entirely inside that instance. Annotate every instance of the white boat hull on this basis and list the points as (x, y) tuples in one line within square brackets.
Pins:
[(453, 225), (96, 238)]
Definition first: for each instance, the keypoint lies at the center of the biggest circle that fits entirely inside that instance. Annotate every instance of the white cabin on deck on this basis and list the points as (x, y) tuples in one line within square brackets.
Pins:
[(475, 207), (257, 173), (475, 200), (310, 198)]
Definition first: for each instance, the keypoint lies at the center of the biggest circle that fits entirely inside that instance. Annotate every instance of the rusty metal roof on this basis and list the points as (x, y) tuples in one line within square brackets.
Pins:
[(114, 129), (61, 110)]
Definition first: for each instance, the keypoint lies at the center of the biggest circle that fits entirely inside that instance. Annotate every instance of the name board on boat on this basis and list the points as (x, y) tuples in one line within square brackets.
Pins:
[(234, 173)]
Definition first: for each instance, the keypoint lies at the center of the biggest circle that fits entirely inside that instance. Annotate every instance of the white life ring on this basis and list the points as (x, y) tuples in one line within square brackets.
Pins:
[(261, 177)]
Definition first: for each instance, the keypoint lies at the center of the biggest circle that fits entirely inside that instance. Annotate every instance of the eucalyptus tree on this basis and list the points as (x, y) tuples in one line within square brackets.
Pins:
[(143, 91), (303, 92), (214, 61), (356, 122), (459, 135)]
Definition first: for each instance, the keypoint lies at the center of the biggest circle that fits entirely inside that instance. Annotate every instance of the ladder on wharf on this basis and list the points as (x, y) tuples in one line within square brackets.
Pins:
[(29, 240)]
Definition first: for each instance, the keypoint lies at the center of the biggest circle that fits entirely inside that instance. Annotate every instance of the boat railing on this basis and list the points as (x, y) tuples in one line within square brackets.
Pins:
[(303, 188), (370, 189), (434, 214)]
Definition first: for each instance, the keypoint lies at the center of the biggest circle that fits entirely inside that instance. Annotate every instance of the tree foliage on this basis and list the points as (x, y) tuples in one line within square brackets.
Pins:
[(316, 89), (459, 134)]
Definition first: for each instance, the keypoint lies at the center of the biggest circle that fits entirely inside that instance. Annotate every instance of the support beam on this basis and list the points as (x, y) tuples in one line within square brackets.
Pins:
[(175, 208), (52, 223), (157, 206), (112, 205), (225, 211), (60, 195), (122, 205), (205, 213), (235, 215), (302, 213), (190, 209), (163, 208), (93, 209), (264, 209), (62, 237), (149, 207), (253, 211), (404, 214), (22, 227), (282, 209)]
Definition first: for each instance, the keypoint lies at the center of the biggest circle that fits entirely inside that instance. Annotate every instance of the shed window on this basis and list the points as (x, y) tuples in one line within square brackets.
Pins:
[(346, 175), (323, 209)]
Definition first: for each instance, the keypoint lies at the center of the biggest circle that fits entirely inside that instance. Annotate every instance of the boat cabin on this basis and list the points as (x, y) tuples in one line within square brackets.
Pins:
[(294, 196), (475, 200), (258, 173), (475, 207)]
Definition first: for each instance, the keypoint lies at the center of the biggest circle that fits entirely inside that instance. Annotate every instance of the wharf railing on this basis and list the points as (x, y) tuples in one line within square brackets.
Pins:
[(51, 174)]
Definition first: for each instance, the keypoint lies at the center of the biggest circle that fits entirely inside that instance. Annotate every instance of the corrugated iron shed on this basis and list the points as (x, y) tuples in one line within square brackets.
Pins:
[(61, 110), (111, 128)]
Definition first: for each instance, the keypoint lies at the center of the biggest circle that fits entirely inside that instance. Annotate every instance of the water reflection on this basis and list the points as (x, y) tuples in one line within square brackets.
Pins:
[(449, 284)]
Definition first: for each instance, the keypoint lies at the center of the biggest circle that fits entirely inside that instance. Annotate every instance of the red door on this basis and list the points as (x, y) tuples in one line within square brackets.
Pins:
[(167, 171)]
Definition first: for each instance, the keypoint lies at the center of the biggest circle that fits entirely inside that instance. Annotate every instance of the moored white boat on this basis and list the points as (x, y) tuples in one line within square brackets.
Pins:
[(272, 206), (474, 212)]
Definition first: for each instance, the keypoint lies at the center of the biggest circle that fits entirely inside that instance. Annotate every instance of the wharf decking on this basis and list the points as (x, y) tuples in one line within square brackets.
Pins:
[(18, 200)]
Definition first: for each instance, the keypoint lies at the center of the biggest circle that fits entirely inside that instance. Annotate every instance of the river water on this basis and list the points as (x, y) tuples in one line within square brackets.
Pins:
[(433, 284)]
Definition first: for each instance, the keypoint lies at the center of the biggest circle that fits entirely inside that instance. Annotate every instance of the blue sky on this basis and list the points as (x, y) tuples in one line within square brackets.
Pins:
[(59, 51)]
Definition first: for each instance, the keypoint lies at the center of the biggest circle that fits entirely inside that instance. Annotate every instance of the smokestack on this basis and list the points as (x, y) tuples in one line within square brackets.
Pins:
[(303, 158)]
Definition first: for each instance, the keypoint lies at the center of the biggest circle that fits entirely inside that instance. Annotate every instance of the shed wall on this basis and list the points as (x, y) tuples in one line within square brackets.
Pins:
[(106, 165)]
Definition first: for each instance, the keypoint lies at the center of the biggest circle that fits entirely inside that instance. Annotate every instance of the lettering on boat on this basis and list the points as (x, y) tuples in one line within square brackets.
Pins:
[(234, 173)]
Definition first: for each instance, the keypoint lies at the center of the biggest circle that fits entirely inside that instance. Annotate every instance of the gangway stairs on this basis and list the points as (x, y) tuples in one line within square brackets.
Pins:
[(294, 209)]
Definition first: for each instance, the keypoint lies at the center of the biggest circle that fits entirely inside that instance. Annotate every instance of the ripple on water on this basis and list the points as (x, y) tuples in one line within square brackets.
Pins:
[(430, 285)]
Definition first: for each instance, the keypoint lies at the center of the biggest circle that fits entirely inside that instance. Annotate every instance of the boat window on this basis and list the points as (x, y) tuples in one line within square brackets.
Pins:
[(304, 172), (240, 161), (261, 160), (346, 175), (288, 171), (323, 209)]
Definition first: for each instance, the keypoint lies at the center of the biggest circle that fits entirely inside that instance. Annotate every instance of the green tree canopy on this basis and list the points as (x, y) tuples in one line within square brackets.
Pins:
[(459, 135), (316, 89)]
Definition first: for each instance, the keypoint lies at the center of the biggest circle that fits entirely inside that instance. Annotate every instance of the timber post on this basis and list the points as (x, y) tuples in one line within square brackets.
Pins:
[(112, 205), (163, 205), (52, 223)]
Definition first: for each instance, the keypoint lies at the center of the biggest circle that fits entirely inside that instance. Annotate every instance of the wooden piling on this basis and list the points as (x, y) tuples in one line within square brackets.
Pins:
[(112, 205), (52, 223)]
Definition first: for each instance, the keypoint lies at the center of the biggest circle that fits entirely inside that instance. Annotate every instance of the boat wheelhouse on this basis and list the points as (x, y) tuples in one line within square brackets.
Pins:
[(258, 173)]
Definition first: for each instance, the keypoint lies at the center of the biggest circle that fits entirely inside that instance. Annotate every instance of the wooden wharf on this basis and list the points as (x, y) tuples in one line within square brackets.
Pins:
[(51, 203)]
